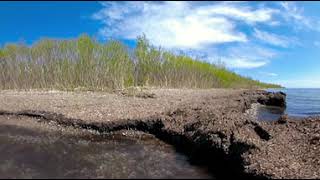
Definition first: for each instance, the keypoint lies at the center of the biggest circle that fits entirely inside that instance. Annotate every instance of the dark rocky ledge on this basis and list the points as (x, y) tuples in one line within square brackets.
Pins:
[(223, 138)]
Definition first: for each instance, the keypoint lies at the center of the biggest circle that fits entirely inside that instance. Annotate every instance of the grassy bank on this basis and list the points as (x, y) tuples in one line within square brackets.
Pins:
[(85, 63)]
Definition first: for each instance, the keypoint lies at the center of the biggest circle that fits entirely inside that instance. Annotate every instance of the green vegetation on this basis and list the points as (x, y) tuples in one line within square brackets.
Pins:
[(86, 64)]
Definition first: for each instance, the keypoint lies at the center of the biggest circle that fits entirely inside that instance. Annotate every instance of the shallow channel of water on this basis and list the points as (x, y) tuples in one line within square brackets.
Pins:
[(28, 153), (269, 113)]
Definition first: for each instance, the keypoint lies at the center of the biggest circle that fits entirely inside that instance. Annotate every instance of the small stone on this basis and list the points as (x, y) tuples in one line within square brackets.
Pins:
[(315, 140), (283, 119)]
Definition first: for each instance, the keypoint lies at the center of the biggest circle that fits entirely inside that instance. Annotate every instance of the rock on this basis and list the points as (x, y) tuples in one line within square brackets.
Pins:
[(283, 119), (273, 99), (315, 140)]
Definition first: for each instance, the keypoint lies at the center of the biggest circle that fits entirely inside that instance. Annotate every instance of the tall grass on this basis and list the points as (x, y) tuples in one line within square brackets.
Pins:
[(85, 63)]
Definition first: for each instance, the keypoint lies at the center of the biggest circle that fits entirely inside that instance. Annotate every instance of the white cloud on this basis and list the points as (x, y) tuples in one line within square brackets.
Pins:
[(202, 27), (293, 14), (243, 13), (274, 23), (316, 43), (273, 39), (236, 62), (292, 11), (248, 56), (272, 74), (180, 24), (269, 74), (245, 56)]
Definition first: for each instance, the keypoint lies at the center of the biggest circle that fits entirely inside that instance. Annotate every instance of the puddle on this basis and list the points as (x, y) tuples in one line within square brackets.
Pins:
[(265, 113), (269, 113), (30, 153)]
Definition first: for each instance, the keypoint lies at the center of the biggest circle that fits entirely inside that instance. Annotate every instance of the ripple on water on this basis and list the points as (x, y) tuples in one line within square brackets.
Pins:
[(27, 153), (301, 102)]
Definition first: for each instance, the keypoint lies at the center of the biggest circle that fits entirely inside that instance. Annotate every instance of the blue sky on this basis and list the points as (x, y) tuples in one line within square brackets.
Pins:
[(276, 42)]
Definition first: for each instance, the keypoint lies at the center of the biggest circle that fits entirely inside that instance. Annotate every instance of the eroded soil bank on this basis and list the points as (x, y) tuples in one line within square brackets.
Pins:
[(212, 127)]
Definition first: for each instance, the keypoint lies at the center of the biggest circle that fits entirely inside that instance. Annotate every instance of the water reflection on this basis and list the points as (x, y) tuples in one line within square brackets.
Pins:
[(26, 153), (301, 102), (269, 113)]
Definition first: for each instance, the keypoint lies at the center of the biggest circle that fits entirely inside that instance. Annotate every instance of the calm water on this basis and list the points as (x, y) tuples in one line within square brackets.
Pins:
[(300, 103), (26, 153)]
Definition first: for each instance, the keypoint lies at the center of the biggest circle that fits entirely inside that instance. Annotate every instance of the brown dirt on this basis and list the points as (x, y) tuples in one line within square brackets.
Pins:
[(209, 125), (292, 152), (103, 107)]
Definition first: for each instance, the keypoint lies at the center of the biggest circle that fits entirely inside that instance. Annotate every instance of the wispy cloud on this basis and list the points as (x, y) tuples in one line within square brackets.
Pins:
[(244, 55), (247, 56), (292, 13), (273, 39), (268, 74), (243, 13), (238, 62), (168, 24), (202, 27)]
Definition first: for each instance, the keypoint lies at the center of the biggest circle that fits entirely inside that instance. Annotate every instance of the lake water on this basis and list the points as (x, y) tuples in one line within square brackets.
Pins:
[(300, 103)]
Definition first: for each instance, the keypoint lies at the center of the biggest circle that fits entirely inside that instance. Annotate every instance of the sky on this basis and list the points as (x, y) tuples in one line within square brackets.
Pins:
[(274, 42)]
